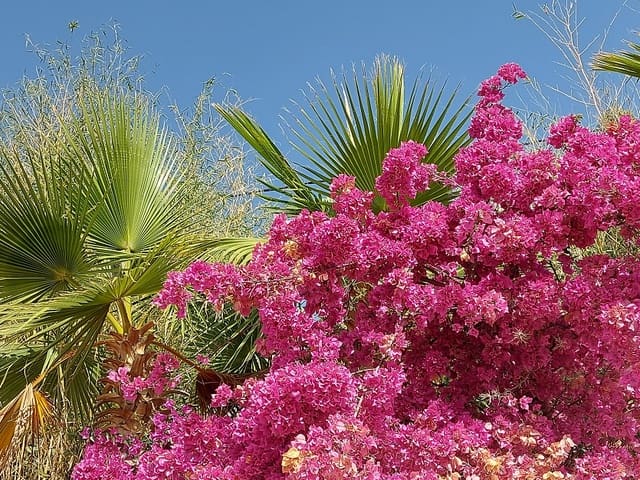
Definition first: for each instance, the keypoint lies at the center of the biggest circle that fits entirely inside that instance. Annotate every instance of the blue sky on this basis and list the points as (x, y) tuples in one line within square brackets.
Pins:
[(269, 50)]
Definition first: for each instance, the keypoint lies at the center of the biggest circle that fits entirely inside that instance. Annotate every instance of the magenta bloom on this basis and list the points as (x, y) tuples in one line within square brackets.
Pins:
[(469, 340)]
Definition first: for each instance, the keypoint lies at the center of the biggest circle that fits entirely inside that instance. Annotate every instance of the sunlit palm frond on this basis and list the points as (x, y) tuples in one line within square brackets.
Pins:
[(299, 195), (44, 213), (137, 175), (85, 227), (233, 250), (28, 414), (19, 365), (350, 126), (625, 62), (64, 328)]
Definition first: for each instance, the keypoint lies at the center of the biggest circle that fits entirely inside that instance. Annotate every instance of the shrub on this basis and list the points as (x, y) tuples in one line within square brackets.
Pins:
[(429, 342)]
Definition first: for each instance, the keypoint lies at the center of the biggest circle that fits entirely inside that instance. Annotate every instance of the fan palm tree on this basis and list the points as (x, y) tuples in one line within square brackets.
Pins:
[(349, 127), (92, 218)]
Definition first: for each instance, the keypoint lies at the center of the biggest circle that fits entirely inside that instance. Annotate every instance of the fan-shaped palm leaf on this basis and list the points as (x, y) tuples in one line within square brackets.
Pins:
[(349, 127), (88, 224), (137, 174), (43, 224), (28, 413)]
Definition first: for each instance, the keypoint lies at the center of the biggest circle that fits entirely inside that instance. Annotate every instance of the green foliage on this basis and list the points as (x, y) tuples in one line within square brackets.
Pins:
[(86, 229), (624, 62), (98, 201), (349, 127), (227, 338)]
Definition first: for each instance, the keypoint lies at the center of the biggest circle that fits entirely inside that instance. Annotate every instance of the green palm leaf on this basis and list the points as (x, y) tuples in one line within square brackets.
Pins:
[(299, 194), (233, 250), (350, 126), (43, 225), (68, 327), (19, 364), (625, 62), (88, 223), (227, 338), (137, 176)]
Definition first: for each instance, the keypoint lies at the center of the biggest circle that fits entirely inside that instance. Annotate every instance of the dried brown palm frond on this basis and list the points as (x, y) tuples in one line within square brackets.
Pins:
[(49, 456), (22, 419), (136, 350), (208, 381), (131, 350)]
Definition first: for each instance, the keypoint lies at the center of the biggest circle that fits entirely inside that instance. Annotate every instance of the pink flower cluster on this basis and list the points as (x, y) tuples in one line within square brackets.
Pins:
[(403, 174), (157, 381), (431, 342)]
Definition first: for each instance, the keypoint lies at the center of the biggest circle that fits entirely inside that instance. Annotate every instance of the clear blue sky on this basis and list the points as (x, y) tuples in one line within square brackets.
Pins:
[(271, 49)]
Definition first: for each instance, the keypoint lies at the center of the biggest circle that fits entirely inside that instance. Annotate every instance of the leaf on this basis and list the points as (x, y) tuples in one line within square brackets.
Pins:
[(233, 250), (300, 195), (137, 175), (517, 14), (349, 127), (44, 215), (26, 415), (227, 338), (624, 62)]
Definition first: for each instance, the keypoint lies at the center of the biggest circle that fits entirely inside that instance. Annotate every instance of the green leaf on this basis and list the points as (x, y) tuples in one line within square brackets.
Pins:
[(299, 194), (350, 126), (44, 214), (624, 62), (227, 338), (232, 250), (137, 175), (88, 220)]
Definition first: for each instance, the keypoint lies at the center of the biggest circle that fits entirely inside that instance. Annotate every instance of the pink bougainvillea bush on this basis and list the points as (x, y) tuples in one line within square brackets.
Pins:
[(465, 341)]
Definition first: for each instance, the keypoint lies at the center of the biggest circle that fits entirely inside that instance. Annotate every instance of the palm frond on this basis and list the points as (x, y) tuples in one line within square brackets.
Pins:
[(349, 127), (226, 338), (28, 414), (137, 175), (233, 250), (299, 194), (624, 62), (44, 214), (66, 327)]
